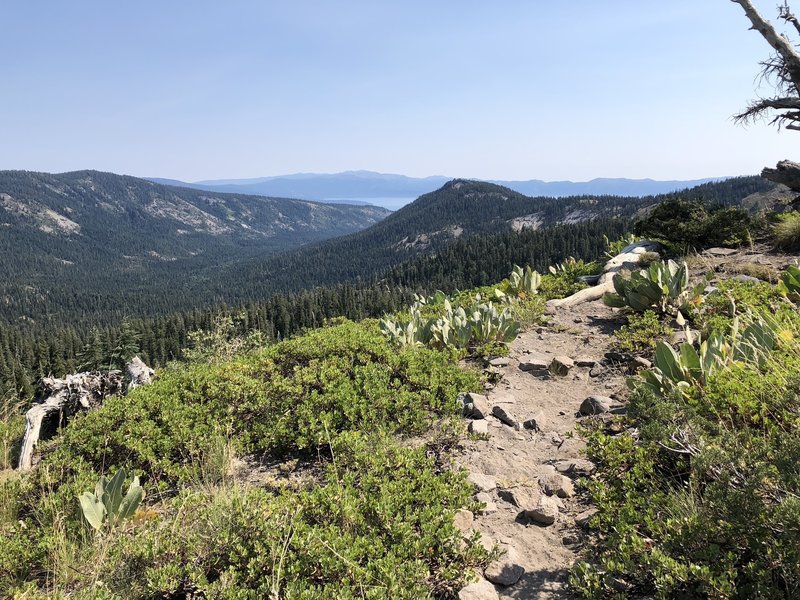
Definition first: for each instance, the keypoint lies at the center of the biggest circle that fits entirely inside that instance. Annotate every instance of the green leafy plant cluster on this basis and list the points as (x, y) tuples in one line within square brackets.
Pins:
[(689, 367), (107, 505), (789, 284), (786, 231), (451, 327), (698, 498), (378, 525), (565, 278), (378, 518), (641, 332), (664, 286)]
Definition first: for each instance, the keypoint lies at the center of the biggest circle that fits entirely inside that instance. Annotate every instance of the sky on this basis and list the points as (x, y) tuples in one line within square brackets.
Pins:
[(509, 89)]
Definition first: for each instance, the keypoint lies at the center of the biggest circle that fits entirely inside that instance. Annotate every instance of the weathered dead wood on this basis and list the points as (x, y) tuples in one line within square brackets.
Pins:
[(76, 392), (628, 260)]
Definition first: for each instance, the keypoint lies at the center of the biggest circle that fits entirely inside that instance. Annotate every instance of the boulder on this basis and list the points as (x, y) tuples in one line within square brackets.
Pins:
[(506, 570), (574, 466), (485, 483), (557, 485), (595, 405), (545, 512), (537, 422), (463, 520), (561, 365), (480, 590), (479, 427), (476, 406), (505, 416)]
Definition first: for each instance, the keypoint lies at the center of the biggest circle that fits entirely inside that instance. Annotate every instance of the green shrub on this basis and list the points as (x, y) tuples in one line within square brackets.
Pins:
[(693, 224), (705, 502), (786, 232), (664, 286), (379, 526), (716, 313), (641, 333), (296, 395)]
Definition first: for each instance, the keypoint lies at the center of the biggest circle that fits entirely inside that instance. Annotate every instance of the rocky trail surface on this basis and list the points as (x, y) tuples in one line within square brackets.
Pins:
[(525, 456)]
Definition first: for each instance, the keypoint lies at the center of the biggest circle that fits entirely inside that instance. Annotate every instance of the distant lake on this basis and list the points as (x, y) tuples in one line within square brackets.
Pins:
[(390, 203)]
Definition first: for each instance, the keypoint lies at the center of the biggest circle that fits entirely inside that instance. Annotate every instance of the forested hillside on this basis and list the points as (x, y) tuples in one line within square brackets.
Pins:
[(84, 243), (364, 274)]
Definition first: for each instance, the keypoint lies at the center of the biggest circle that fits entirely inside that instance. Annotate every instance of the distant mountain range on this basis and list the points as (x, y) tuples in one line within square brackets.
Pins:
[(394, 191)]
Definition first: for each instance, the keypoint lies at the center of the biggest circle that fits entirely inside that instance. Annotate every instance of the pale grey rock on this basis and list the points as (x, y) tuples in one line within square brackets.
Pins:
[(485, 483), (500, 361), (545, 512), (480, 590), (595, 405), (506, 570), (537, 422), (476, 406), (574, 466), (463, 520), (561, 365), (557, 485), (479, 427), (504, 415)]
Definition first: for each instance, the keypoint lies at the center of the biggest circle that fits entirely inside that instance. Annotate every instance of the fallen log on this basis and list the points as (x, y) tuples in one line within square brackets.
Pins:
[(628, 259), (66, 397)]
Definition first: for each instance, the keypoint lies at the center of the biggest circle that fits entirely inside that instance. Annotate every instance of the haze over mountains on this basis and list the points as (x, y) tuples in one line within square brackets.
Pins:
[(393, 191)]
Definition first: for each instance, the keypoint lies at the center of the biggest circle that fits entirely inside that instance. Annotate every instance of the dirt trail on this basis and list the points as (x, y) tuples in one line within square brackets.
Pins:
[(521, 461)]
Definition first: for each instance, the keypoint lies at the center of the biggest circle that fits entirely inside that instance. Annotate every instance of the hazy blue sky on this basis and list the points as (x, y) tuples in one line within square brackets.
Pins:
[(504, 90)]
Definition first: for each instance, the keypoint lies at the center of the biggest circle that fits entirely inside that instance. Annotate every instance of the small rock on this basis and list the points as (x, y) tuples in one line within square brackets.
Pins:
[(521, 497), (500, 361), (545, 512), (489, 509), (582, 519), (595, 405), (746, 279), (504, 415), (585, 362), (577, 320), (710, 289), (480, 590), (463, 520), (640, 363), (561, 365), (597, 370), (720, 251), (536, 422), (540, 330), (479, 427), (485, 483), (576, 466), (556, 439), (570, 540), (557, 485), (506, 570), (478, 406), (534, 364), (484, 497)]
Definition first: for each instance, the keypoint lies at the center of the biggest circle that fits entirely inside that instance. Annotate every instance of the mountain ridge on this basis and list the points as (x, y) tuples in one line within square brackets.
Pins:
[(379, 187)]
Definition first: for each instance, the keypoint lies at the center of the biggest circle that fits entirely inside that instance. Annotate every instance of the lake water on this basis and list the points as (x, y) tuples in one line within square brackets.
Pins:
[(390, 203)]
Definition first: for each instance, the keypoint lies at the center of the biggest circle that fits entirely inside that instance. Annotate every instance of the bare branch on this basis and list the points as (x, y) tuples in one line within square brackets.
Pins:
[(779, 43), (785, 13)]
